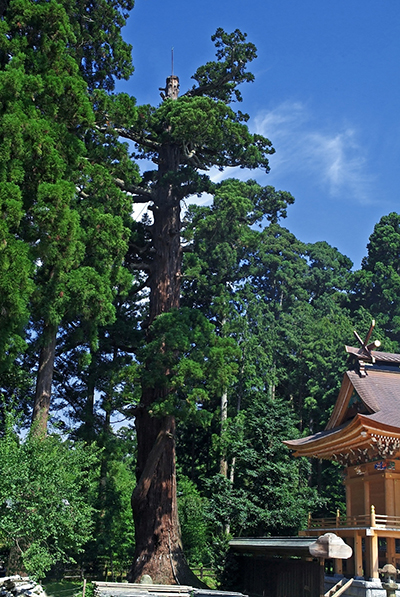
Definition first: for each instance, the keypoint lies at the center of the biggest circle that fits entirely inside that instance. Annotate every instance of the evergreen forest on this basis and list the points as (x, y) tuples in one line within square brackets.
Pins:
[(156, 365)]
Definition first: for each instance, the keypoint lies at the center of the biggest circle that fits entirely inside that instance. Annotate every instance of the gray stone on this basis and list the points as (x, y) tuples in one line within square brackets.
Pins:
[(16, 586)]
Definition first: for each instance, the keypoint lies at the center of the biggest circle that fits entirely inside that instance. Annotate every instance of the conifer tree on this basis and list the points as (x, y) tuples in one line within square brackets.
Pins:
[(185, 136), (67, 211)]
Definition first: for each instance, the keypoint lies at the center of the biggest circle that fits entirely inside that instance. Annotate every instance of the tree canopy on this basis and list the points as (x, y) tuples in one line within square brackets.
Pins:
[(209, 328)]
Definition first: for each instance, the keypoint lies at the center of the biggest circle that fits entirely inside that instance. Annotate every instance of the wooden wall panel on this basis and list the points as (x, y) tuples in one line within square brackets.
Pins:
[(357, 499), (377, 494)]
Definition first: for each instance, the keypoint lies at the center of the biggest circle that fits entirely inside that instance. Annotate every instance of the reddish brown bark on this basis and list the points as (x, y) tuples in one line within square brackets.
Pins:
[(165, 276), (158, 550)]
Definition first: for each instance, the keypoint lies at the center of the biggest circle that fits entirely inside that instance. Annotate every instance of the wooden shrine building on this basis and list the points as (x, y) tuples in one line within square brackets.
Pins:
[(363, 435)]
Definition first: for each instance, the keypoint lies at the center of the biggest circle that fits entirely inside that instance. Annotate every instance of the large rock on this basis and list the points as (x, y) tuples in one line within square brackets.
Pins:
[(16, 586)]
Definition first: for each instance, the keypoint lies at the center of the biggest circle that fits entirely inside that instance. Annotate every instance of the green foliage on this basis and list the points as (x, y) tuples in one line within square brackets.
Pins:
[(283, 303), (121, 532), (219, 80), (113, 538), (42, 101), (377, 284), (264, 316), (15, 289), (270, 493), (198, 363), (327, 479), (223, 238), (46, 485), (68, 223), (192, 509), (99, 48)]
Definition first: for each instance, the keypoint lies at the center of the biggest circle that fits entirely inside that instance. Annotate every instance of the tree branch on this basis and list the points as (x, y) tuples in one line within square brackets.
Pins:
[(141, 195), (137, 266), (216, 85), (138, 138)]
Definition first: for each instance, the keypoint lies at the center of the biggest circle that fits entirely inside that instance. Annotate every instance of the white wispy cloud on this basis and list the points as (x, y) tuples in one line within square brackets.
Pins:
[(330, 156)]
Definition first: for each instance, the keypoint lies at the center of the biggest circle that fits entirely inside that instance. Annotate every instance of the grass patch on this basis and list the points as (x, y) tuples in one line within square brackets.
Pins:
[(63, 588)]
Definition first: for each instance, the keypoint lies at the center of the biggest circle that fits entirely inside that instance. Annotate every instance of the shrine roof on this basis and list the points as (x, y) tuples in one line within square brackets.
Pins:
[(281, 546), (379, 392), (309, 439), (365, 421)]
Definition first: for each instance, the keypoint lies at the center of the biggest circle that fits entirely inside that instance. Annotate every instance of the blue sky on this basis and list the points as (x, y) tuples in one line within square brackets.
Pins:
[(327, 94)]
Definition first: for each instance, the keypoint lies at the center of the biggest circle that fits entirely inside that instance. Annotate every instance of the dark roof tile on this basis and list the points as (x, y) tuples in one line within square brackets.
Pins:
[(380, 392)]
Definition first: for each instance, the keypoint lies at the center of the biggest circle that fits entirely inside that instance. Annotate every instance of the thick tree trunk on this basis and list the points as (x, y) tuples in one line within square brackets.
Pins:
[(44, 380), (158, 550)]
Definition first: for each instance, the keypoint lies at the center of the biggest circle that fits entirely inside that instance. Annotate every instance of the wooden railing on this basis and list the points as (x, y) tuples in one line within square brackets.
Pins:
[(364, 520), (387, 521), (339, 588)]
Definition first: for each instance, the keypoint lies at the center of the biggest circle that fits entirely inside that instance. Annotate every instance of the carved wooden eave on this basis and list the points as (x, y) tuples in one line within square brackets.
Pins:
[(355, 442)]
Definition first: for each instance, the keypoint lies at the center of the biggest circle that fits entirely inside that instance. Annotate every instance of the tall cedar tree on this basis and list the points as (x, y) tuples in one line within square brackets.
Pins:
[(72, 244), (185, 137), (42, 100)]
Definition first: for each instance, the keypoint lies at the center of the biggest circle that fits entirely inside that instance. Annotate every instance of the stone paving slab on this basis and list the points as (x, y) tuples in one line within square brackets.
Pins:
[(118, 589)]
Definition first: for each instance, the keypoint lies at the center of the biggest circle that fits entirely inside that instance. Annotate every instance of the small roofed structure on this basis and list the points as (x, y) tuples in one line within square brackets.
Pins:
[(284, 566), (276, 566), (363, 435)]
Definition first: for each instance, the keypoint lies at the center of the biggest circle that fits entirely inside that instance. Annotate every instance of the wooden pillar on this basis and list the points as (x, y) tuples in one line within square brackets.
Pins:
[(391, 551), (371, 545), (373, 520), (350, 563), (367, 501), (338, 564), (322, 577), (348, 499), (358, 563), (389, 496), (371, 548)]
